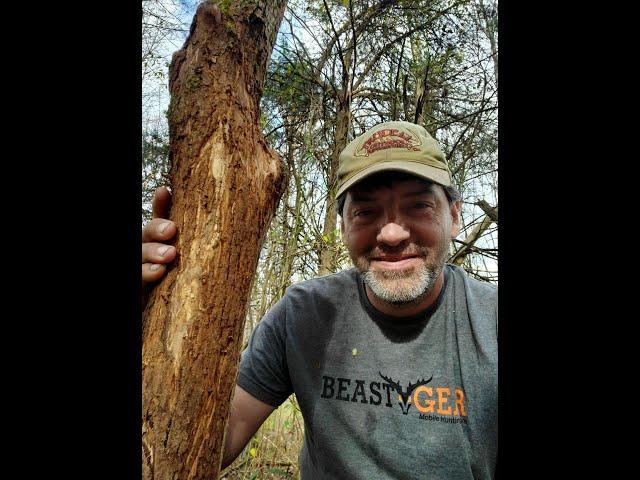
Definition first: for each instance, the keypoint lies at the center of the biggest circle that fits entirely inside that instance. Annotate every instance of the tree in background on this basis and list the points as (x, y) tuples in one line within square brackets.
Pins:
[(424, 62), (165, 24)]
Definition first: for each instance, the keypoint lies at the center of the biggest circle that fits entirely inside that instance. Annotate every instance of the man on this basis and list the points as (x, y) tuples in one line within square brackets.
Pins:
[(393, 362)]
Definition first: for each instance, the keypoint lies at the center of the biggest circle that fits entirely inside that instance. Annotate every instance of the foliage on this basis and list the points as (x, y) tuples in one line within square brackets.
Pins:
[(155, 164), (426, 62)]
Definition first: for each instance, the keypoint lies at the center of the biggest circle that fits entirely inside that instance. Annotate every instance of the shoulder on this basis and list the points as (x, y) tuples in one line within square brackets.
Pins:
[(318, 302), (328, 286), (480, 300), (475, 290), (311, 298)]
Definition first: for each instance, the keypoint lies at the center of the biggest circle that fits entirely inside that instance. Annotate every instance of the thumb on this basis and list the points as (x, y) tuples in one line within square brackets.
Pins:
[(161, 202)]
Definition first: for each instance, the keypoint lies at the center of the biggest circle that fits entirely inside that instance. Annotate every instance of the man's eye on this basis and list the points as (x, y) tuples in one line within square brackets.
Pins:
[(362, 213), (422, 205)]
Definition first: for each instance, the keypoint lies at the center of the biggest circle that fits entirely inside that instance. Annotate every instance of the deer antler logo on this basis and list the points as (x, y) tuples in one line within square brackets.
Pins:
[(404, 398)]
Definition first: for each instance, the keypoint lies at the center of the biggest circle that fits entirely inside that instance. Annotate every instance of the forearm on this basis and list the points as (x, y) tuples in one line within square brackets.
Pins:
[(246, 416), (233, 446)]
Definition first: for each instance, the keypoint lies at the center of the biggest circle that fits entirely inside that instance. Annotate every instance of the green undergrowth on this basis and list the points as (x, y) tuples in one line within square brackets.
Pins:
[(273, 451)]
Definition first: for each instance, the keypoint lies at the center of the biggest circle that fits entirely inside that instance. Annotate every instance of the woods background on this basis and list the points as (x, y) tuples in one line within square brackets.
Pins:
[(338, 68)]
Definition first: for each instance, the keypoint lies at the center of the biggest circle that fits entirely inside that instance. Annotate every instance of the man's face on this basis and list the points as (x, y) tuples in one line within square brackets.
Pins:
[(399, 237)]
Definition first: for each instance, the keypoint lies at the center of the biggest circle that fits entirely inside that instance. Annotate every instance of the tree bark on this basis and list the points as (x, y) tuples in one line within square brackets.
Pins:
[(226, 184)]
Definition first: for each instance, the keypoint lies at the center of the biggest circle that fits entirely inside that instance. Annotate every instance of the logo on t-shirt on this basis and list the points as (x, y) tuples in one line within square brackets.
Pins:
[(404, 399), (436, 403)]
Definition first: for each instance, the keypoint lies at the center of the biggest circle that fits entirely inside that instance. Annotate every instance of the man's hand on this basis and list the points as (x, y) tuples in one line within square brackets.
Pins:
[(155, 236)]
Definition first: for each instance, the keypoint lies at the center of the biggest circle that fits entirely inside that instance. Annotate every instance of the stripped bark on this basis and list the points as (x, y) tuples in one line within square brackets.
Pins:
[(226, 185)]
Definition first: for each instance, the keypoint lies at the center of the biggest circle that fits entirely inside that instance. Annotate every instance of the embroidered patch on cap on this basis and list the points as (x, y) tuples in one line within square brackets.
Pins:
[(388, 138)]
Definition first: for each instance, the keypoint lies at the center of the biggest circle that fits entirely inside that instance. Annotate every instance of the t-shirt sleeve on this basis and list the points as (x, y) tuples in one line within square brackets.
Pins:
[(263, 371), (497, 330)]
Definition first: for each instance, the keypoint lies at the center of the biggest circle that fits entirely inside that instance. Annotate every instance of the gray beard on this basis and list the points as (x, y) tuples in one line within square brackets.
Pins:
[(387, 286)]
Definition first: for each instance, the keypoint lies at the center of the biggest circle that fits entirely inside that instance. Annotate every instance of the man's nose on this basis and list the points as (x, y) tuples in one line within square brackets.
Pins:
[(393, 234)]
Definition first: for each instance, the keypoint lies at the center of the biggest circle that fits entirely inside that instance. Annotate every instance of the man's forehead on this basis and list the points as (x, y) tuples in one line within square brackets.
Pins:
[(408, 186)]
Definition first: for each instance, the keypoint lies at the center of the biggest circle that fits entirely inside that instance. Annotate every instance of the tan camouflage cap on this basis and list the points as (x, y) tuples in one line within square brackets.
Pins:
[(400, 146)]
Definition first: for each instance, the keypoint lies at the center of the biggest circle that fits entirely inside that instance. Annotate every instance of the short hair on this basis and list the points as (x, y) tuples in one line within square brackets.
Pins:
[(385, 179)]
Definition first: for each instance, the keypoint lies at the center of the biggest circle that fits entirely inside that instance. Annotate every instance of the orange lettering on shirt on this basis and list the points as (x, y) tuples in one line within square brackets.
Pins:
[(460, 410), (442, 399), (427, 406)]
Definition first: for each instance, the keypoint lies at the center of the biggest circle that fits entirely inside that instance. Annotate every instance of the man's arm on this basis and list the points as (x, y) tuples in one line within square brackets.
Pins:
[(247, 414)]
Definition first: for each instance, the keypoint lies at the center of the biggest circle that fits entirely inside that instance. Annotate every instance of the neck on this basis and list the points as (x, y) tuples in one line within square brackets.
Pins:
[(409, 309)]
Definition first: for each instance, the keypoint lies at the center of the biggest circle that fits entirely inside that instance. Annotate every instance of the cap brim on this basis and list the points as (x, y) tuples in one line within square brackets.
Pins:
[(428, 172)]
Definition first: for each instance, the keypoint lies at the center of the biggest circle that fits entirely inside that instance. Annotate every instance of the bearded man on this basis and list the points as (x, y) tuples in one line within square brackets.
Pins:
[(393, 362)]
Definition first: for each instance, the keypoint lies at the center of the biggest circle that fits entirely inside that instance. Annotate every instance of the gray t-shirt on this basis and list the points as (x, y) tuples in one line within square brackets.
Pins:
[(348, 364)]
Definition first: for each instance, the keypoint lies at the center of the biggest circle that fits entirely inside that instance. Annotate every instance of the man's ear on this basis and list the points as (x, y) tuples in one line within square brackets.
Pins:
[(341, 215), (455, 218)]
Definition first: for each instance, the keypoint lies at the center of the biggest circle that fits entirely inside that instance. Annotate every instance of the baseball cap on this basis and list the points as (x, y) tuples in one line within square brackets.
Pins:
[(398, 146)]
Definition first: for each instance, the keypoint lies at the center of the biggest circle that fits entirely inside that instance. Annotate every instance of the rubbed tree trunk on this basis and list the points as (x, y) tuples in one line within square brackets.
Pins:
[(226, 185)]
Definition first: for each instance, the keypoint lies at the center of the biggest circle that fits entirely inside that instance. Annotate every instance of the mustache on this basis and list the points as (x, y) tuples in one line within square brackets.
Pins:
[(411, 249)]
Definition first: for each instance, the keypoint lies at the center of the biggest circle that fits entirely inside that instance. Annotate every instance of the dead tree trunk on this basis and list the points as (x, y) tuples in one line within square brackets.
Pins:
[(226, 184)]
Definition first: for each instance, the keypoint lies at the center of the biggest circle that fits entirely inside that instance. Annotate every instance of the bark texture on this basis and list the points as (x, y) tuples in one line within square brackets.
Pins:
[(226, 184)]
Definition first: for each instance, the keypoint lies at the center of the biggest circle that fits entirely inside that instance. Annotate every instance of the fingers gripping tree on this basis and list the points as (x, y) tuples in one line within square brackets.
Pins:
[(226, 184)]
